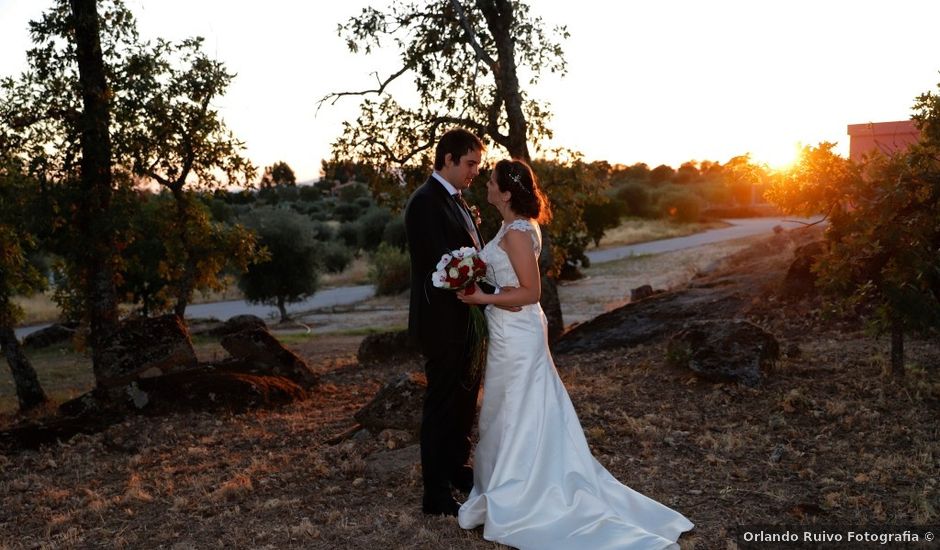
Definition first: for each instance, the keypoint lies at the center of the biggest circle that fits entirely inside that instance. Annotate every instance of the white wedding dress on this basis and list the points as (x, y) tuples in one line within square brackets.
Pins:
[(536, 484)]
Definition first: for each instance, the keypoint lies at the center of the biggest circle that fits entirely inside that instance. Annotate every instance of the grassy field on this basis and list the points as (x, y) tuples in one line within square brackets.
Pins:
[(634, 231)]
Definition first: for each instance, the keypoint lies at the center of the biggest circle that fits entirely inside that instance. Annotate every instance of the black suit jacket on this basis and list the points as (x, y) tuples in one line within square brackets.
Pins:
[(435, 226)]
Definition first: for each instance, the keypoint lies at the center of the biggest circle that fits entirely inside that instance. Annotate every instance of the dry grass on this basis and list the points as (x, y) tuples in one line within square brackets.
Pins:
[(38, 308), (852, 447), (634, 231), (356, 273), (828, 439)]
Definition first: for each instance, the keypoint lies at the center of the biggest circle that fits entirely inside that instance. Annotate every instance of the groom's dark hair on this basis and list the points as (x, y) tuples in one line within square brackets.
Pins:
[(458, 142)]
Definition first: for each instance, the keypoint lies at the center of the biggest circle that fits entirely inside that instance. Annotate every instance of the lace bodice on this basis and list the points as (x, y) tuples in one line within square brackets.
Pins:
[(499, 269)]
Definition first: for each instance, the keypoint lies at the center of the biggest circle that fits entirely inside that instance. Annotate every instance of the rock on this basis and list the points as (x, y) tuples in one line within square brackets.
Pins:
[(210, 326), (724, 351), (398, 461), (640, 293), (239, 323), (648, 320), (800, 280), (387, 347), (53, 334), (396, 439), (146, 345), (256, 351), (397, 405), (203, 389)]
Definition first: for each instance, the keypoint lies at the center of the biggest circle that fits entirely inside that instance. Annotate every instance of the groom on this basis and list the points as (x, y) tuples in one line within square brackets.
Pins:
[(437, 221)]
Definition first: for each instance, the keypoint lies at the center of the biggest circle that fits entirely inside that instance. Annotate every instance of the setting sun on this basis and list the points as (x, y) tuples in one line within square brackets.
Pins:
[(777, 158)]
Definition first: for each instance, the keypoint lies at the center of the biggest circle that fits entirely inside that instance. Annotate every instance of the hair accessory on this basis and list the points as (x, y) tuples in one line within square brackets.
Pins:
[(516, 177)]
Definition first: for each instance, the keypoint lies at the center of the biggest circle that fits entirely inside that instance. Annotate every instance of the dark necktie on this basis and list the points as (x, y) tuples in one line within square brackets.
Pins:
[(467, 218)]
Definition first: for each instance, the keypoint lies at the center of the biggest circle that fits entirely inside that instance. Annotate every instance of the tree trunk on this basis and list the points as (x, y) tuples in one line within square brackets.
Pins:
[(28, 390), (500, 19), (282, 307), (897, 349), (93, 215), (184, 287)]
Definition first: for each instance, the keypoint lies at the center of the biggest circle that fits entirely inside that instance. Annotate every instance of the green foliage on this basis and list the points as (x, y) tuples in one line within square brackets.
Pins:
[(635, 200), (19, 274), (395, 233), (465, 61), (323, 231), (661, 174), (372, 228), (570, 184), (600, 215), (309, 193), (336, 257), (348, 234), (346, 212), (390, 270), (291, 271), (742, 176), (680, 205), (884, 228), (154, 268), (163, 128), (279, 173)]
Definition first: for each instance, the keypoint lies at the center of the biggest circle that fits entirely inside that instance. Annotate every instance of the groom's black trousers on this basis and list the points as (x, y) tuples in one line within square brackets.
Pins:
[(447, 419)]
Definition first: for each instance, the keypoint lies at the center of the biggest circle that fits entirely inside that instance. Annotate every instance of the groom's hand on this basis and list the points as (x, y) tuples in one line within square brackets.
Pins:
[(508, 308)]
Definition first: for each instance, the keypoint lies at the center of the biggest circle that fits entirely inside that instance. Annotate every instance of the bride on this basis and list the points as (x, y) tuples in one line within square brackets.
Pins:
[(536, 484)]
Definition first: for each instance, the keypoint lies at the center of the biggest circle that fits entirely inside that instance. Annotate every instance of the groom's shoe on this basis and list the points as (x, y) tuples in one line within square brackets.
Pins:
[(463, 479), (440, 506)]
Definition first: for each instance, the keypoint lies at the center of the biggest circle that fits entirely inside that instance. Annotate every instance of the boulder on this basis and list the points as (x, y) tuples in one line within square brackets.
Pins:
[(256, 351), (648, 320), (53, 334), (724, 351), (399, 461), (238, 323), (146, 347), (800, 280), (640, 293), (210, 326), (206, 390), (387, 347), (396, 406)]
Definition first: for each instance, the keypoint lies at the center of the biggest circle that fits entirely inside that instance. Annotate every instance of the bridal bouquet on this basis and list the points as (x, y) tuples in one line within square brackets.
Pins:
[(458, 270)]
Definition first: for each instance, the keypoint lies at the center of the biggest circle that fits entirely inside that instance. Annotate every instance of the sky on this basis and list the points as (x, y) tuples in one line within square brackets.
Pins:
[(657, 82)]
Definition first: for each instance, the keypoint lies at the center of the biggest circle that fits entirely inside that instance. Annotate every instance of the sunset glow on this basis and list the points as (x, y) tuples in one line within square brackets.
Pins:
[(689, 81)]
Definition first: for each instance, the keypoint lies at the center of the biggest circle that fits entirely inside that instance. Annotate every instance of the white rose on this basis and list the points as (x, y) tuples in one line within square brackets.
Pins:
[(453, 273), (445, 259)]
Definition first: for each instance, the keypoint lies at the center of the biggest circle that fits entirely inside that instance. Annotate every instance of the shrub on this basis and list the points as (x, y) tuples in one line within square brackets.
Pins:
[(336, 257), (372, 228), (346, 212), (390, 270), (323, 231), (680, 206), (348, 233), (395, 233), (635, 200)]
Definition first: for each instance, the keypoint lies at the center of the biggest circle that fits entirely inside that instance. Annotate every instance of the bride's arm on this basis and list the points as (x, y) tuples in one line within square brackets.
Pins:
[(518, 246)]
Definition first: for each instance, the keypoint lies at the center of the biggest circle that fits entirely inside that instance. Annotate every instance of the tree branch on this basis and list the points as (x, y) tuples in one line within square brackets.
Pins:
[(471, 36), (382, 85)]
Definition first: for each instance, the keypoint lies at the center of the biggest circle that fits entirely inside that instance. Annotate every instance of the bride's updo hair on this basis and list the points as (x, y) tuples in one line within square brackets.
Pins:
[(526, 197)]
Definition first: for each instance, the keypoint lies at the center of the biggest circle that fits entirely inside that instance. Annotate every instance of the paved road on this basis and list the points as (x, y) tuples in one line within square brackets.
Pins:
[(223, 310), (744, 227), (352, 294)]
